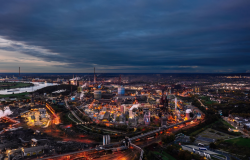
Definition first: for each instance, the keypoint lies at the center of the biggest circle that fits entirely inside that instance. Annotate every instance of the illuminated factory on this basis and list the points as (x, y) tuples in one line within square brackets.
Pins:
[(74, 80), (124, 103), (97, 94), (188, 111), (94, 76), (36, 117)]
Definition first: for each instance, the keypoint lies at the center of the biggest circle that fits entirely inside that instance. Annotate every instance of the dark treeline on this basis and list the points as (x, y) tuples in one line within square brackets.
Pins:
[(51, 89)]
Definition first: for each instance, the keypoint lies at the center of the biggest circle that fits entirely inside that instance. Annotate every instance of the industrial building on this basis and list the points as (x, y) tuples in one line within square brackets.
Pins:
[(36, 117), (121, 91), (97, 94)]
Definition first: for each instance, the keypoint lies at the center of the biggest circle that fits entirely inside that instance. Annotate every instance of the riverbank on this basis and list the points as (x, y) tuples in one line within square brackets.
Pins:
[(14, 85), (34, 86), (18, 95)]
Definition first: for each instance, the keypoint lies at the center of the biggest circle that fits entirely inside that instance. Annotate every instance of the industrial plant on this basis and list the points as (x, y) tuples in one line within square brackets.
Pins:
[(93, 116)]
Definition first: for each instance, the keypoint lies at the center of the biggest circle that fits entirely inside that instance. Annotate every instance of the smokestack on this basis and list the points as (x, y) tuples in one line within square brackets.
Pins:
[(19, 71), (76, 79), (120, 80), (94, 76), (175, 103)]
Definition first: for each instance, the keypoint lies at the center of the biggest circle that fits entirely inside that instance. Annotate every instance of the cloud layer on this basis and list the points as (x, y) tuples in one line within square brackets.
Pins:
[(130, 36)]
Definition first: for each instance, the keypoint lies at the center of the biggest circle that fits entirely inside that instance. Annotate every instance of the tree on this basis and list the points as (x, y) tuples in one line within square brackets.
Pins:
[(148, 155), (172, 137), (192, 139), (170, 148), (134, 110), (117, 119), (127, 117), (168, 139), (128, 129), (191, 115), (181, 155), (93, 129), (212, 145), (185, 155)]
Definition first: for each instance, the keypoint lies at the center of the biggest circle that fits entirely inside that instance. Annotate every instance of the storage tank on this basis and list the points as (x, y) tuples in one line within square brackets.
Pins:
[(97, 94), (188, 111), (121, 91), (198, 115)]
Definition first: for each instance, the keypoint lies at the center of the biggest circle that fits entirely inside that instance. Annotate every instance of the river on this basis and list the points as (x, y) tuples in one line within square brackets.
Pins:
[(37, 85)]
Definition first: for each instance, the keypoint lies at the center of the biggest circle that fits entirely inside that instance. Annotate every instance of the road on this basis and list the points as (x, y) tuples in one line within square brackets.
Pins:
[(202, 104), (237, 127), (122, 155), (196, 148)]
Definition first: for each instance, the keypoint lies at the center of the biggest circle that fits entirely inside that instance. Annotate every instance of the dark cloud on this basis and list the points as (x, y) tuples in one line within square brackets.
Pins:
[(140, 35)]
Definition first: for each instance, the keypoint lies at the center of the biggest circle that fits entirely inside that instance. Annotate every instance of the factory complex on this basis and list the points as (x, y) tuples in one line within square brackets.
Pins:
[(96, 112)]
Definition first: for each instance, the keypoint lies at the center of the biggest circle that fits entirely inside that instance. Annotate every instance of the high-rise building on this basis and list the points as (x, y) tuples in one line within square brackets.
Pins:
[(122, 108), (121, 90), (106, 139), (97, 94), (147, 118), (197, 89)]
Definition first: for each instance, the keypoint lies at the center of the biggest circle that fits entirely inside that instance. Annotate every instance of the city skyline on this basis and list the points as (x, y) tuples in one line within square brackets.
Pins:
[(125, 37)]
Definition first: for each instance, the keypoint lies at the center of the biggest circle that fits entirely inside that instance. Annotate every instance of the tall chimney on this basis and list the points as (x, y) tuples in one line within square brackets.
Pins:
[(120, 80), (19, 71), (76, 80), (94, 76), (175, 103)]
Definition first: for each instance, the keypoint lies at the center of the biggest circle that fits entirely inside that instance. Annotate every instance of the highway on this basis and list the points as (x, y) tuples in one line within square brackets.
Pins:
[(196, 148)]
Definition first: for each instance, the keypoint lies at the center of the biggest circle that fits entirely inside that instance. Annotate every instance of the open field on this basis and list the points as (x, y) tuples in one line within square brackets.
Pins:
[(202, 129), (165, 156), (207, 100), (240, 141), (208, 126), (18, 95), (208, 133), (12, 85), (227, 124)]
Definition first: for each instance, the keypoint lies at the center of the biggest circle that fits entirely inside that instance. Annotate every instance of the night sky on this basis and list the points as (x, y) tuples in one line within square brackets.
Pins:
[(123, 36)]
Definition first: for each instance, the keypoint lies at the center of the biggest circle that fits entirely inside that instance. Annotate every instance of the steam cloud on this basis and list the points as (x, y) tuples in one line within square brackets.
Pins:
[(5, 112)]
